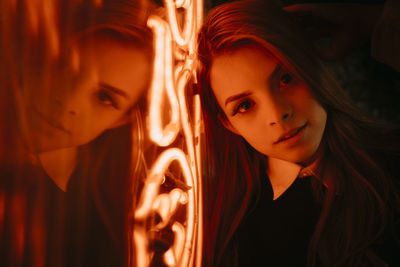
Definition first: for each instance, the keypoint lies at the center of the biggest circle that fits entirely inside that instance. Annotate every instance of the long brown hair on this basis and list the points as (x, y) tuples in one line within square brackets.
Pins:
[(36, 39), (355, 206)]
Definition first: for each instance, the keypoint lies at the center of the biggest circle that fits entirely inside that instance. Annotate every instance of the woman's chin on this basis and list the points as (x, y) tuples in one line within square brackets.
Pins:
[(300, 157), (41, 145), (310, 157)]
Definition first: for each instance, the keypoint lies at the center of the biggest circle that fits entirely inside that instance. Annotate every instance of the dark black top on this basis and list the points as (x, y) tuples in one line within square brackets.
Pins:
[(277, 232), (69, 225)]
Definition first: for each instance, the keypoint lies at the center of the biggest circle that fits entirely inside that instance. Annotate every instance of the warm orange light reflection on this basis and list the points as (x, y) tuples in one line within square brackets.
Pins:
[(42, 14), (174, 69)]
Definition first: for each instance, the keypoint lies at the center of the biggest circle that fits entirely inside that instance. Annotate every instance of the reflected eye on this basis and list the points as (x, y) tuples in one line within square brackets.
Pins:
[(106, 99), (286, 79), (243, 106)]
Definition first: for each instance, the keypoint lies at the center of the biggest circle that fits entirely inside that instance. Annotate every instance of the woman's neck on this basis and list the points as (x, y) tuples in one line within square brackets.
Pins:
[(281, 174), (59, 165)]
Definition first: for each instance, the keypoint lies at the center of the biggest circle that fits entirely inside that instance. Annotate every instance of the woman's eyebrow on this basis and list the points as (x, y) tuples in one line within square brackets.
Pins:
[(271, 78), (236, 97), (113, 89), (274, 74)]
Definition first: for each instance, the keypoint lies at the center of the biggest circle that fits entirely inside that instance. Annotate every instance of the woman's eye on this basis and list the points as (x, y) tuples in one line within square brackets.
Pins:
[(106, 99), (243, 107), (285, 79)]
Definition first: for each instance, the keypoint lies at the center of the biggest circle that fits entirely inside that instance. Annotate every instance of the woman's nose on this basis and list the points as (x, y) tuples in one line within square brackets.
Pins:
[(279, 110), (64, 106)]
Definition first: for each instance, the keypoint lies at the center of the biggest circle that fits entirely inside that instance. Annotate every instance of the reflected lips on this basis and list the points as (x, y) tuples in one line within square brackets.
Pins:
[(291, 134), (50, 122)]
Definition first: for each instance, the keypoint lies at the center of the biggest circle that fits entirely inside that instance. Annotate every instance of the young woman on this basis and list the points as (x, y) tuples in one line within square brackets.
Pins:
[(295, 174), (72, 73)]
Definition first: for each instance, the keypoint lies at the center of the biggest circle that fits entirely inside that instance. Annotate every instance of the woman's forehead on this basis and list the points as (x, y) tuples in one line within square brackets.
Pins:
[(119, 65), (239, 71), (265, 50), (244, 60)]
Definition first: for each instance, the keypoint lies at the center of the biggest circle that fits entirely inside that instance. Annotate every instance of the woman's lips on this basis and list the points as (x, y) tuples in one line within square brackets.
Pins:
[(292, 133), (51, 122)]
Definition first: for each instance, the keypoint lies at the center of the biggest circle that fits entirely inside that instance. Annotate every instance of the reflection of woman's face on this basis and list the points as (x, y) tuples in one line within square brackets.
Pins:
[(111, 78), (266, 104)]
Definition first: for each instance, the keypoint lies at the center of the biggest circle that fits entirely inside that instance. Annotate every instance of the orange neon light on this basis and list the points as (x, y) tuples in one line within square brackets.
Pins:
[(162, 81), (173, 69), (173, 253), (181, 39), (151, 201)]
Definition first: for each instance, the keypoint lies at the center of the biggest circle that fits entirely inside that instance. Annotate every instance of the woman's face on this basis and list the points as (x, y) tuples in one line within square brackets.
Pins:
[(266, 104), (111, 78)]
